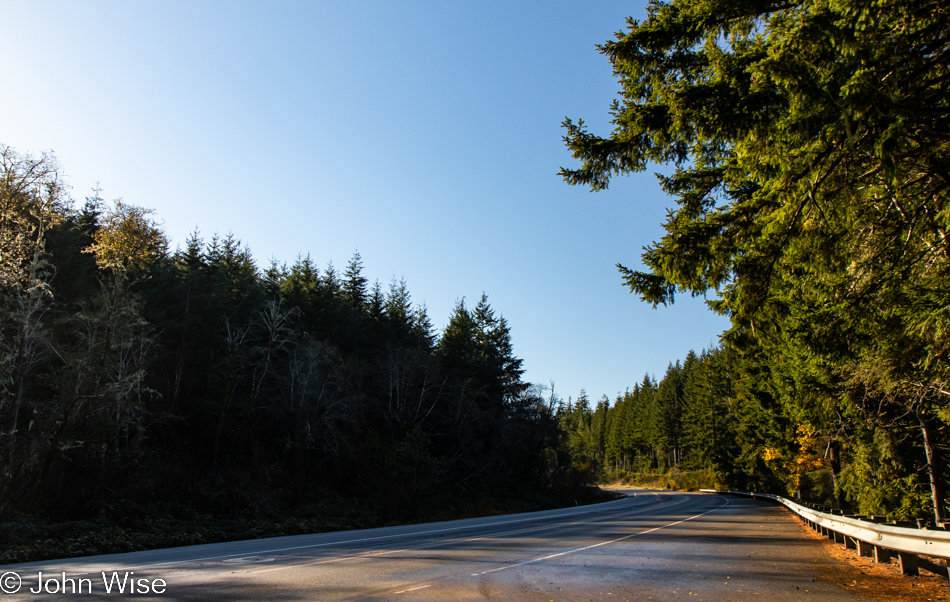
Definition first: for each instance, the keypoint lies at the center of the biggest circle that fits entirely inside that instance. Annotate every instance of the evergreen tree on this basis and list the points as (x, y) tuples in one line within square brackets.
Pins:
[(809, 143), (398, 309), (457, 345), (354, 284), (667, 415)]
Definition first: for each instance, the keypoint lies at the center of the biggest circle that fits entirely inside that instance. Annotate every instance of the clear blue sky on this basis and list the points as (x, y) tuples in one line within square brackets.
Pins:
[(426, 135)]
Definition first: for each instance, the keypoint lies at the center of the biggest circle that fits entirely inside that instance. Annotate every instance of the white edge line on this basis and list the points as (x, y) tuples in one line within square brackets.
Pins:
[(412, 589), (597, 545), (574, 512)]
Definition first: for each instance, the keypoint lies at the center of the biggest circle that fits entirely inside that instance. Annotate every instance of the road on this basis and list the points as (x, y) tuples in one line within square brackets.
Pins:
[(650, 545)]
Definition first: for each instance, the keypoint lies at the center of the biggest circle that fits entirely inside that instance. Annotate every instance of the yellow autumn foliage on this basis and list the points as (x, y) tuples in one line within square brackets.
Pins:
[(128, 239), (807, 458)]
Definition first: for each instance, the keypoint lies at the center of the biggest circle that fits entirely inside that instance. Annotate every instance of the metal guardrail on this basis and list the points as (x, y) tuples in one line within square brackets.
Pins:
[(868, 537)]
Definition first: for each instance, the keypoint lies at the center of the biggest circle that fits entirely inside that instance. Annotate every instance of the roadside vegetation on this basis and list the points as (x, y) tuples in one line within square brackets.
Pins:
[(153, 397), (806, 145)]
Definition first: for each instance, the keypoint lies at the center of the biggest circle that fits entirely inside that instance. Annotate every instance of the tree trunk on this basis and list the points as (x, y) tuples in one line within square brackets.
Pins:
[(934, 468), (834, 463)]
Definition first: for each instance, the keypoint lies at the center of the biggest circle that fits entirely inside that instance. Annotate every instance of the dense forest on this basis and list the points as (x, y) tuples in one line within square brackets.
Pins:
[(806, 145), (143, 381), (716, 420)]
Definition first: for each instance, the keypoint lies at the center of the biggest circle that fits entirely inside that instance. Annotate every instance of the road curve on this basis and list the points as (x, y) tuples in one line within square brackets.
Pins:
[(649, 545)]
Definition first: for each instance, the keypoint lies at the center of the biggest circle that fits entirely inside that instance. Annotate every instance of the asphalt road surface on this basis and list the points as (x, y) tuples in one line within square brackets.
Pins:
[(651, 545)]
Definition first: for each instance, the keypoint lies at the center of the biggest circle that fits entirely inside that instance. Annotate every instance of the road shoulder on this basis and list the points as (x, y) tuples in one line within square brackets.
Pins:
[(861, 575)]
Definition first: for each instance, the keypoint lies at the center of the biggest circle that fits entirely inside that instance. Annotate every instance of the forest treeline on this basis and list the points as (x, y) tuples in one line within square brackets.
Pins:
[(717, 419), (807, 149), (806, 145), (135, 376)]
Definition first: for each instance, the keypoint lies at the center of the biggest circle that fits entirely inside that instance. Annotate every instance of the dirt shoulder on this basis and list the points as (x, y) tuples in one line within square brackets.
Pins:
[(876, 581)]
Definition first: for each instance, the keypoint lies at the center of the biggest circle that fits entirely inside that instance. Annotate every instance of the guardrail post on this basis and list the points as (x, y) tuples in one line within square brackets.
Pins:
[(908, 563), (864, 548), (849, 543), (882, 555), (838, 537)]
